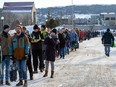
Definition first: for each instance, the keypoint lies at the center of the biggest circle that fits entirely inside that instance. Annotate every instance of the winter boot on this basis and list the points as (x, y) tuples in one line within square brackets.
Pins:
[(35, 72), (1, 82), (52, 74), (41, 70), (7, 83), (19, 83), (31, 76), (25, 83), (46, 73)]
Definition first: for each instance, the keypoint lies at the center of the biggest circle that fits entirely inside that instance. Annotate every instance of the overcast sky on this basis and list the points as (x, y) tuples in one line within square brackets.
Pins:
[(52, 3)]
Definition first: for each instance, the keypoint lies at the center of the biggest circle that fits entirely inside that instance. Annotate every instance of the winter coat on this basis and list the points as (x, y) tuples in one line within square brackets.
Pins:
[(55, 37), (45, 33), (82, 34), (74, 36), (62, 40), (37, 37), (107, 38), (4, 43), (19, 46), (50, 49)]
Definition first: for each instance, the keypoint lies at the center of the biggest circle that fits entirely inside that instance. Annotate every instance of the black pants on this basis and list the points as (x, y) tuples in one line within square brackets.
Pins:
[(37, 53), (29, 64)]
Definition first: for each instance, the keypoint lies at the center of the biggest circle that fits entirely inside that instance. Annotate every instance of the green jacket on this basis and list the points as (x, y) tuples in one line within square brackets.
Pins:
[(4, 43)]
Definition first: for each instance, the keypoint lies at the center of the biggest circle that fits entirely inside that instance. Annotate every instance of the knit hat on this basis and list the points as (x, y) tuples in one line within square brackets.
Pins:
[(43, 26), (5, 27), (35, 27), (54, 31), (108, 30)]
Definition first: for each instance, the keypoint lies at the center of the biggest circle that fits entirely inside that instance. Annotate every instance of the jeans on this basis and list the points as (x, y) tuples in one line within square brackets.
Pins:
[(62, 52), (6, 64), (22, 69), (107, 49), (29, 64)]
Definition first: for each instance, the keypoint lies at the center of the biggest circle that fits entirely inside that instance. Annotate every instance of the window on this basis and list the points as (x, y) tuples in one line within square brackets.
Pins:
[(107, 18), (112, 18)]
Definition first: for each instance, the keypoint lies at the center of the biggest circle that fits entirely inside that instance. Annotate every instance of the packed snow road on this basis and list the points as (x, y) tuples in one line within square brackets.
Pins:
[(86, 67)]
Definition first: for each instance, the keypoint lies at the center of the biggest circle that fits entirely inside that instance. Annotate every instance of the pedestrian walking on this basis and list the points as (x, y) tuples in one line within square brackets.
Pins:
[(4, 43), (107, 40), (19, 44)]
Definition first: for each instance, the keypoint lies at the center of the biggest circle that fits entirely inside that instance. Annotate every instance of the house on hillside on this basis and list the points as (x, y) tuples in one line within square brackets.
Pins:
[(23, 12)]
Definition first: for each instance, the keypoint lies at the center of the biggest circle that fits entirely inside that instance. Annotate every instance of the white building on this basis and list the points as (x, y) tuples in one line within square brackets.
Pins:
[(108, 19)]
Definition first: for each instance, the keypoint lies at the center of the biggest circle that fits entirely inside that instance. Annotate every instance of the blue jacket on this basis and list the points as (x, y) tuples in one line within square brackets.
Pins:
[(19, 46), (74, 36)]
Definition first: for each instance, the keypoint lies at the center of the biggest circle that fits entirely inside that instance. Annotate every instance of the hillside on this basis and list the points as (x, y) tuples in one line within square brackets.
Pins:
[(82, 9)]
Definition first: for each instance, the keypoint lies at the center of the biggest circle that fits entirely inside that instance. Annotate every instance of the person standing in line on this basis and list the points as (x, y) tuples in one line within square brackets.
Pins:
[(50, 41), (45, 34), (107, 40), (36, 44), (74, 40), (62, 44), (4, 43), (29, 62), (19, 48)]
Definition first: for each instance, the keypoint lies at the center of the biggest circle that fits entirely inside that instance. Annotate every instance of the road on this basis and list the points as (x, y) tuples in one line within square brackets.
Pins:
[(86, 67)]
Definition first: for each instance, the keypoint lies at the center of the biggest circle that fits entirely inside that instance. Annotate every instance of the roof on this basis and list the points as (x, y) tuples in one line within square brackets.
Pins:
[(11, 6)]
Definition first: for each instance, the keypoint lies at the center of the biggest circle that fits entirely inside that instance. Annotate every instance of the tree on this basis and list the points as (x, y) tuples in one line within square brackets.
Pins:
[(9, 17), (52, 23), (14, 24), (26, 20)]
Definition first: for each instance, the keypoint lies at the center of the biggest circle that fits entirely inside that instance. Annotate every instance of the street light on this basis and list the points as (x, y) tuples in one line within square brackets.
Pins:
[(2, 19), (20, 23)]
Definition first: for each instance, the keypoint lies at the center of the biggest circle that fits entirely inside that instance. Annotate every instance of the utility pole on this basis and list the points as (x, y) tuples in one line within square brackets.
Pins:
[(72, 15)]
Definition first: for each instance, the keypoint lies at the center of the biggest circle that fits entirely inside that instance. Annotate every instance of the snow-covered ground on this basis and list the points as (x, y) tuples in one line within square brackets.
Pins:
[(86, 67)]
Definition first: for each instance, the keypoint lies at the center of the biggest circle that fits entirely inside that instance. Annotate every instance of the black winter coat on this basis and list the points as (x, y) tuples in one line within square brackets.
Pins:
[(37, 45), (107, 38), (62, 40), (50, 49)]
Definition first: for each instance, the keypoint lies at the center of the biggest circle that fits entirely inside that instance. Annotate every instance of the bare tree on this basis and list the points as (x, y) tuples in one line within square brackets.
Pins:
[(9, 18), (27, 20)]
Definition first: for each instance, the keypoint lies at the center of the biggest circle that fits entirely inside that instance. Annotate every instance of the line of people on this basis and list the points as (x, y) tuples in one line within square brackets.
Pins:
[(26, 49)]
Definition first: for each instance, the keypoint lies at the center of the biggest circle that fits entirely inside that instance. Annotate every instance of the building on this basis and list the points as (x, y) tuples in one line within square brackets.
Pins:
[(66, 20), (80, 21), (94, 20), (108, 19), (24, 12)]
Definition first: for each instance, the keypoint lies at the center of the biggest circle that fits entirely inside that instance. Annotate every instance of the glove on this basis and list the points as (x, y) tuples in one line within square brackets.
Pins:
[(11, 57), (112, 44), (26, 56)]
